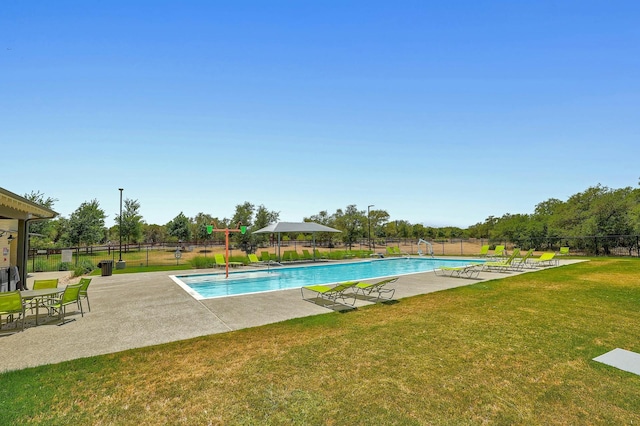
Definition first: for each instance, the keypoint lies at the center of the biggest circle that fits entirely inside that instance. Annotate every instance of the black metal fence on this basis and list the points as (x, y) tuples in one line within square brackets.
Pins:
[(171, 253)]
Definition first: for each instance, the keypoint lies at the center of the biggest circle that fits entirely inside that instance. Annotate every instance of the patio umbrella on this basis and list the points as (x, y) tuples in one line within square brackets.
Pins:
[(299, 227)]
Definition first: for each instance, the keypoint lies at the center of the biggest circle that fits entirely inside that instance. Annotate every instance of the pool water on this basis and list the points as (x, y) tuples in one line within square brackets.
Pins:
[(205, 286)]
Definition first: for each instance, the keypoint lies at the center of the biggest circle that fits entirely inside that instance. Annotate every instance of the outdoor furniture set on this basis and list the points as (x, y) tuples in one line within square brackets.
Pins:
[(44, 294)]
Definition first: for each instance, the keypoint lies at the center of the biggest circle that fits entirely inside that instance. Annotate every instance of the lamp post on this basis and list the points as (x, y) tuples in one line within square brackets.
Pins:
[(120, 226), (369, 220)]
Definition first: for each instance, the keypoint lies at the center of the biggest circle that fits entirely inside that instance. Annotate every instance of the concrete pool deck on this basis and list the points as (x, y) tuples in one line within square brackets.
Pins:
[(136, 310)]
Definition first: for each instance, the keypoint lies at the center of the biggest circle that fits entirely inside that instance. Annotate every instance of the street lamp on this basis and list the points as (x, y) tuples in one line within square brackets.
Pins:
[(120, 227), (369, 220)]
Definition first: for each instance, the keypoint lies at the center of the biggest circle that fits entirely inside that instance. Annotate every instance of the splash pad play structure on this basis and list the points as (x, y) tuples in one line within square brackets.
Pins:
[(240, 228)]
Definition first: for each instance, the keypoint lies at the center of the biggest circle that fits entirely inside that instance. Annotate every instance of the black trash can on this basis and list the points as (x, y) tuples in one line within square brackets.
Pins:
[(106, 266)]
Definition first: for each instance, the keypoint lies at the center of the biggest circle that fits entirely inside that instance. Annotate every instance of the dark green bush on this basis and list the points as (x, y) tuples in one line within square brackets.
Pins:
[(40, 266), (65, 266), (202, 262), (84, 267)]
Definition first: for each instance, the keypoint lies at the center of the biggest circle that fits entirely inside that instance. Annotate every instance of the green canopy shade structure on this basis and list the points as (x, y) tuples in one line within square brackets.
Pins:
[(297, 227)]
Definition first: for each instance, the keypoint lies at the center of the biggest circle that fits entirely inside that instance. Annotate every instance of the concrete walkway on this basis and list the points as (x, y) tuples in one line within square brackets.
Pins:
[(137, 310)]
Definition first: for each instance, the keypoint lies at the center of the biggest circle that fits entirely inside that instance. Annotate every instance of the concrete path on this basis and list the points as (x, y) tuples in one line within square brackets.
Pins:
[(137, 310)]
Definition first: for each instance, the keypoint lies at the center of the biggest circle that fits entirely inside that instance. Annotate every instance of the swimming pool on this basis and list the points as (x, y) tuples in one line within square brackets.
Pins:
[(206, 286)]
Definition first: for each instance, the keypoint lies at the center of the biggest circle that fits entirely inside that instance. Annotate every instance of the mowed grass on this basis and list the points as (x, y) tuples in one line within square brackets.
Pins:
[(511, 351)]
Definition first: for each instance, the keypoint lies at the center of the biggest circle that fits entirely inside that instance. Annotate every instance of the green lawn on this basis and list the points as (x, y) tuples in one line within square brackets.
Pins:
[(511, 351)]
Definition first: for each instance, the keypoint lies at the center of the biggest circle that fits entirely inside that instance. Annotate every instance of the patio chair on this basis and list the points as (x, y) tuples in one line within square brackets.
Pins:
[(392, 252), (83, 291), (253, 260), (545, 259), (330, 293), (51, 283), (306, 255), (484, 250), (10, 305), (379, 288), (70, 296), (40, 284), (564, 251)]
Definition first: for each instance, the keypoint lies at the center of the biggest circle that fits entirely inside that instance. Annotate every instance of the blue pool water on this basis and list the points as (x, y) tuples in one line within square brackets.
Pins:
[(205, 286)]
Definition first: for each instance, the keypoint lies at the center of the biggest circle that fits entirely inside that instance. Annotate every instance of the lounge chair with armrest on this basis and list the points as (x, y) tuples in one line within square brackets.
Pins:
[(253, 260), (265, 256), (319, 255), (545, 259), (504, 265), (378, 288), (499, 251), (521, 261), (465, 271), (220, 261), (330, 293)]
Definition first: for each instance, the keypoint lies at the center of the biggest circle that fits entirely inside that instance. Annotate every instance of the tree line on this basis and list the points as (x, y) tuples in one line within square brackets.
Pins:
[(598, 211)]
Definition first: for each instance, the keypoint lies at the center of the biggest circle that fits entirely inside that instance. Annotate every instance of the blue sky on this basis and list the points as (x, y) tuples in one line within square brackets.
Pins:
[(441, 113)]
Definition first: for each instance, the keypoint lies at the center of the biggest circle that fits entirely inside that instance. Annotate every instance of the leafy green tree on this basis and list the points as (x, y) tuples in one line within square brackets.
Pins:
[(200, 224), (482, 230), (419, 231), (153, 233), (131, 221), (512, 228), (263, 218), (351, 222), (243, 217), (60, 226), (42, 232), (179, 228), (323, 218), (86, 225), (378, 220)]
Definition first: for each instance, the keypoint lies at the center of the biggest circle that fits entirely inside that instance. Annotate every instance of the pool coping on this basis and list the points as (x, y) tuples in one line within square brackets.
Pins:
[(196, 295)]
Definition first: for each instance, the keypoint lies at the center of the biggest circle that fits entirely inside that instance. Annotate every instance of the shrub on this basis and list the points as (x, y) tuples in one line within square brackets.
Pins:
[(84, 267), (65, 266), (40, 266), (201, 262)]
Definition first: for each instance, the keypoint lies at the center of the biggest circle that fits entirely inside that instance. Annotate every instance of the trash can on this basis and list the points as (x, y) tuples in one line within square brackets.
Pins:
[(106, 266)]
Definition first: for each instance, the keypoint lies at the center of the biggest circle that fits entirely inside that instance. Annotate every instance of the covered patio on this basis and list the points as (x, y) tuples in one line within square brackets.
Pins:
[(16, 213), (295, 227)]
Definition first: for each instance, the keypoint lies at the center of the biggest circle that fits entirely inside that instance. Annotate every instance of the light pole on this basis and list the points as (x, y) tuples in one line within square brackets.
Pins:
[(120, 227), (369, 220)]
